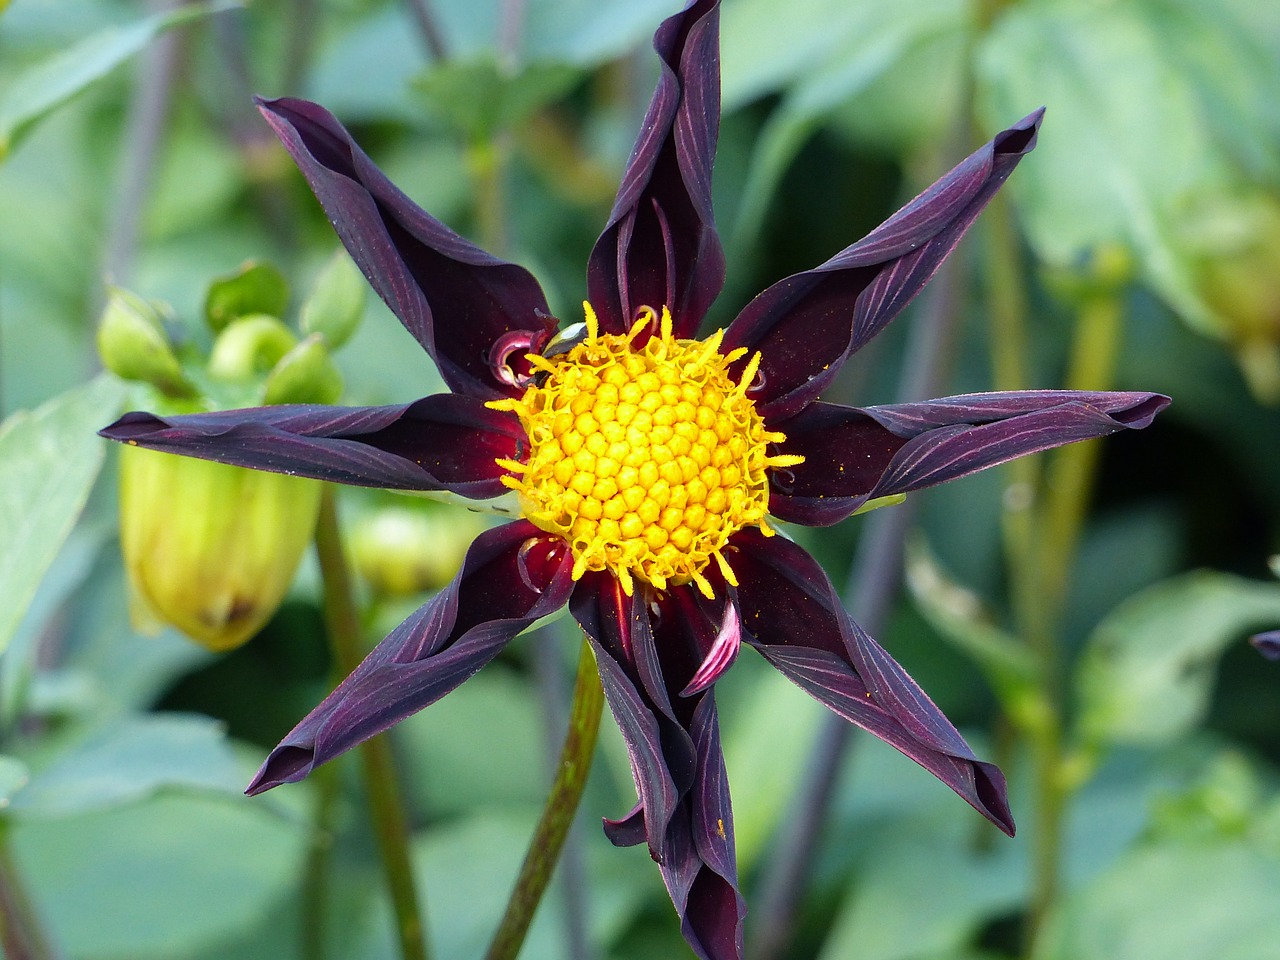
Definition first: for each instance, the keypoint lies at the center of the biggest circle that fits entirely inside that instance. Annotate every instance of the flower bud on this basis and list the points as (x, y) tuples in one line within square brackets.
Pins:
[(250, 346), (211, 548), (336, 304), (306, 374), (257, 287), (403, 550), (133, 345)]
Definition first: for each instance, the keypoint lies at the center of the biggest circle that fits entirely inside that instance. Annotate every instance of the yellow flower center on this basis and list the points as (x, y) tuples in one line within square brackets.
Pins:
[(645, 460)]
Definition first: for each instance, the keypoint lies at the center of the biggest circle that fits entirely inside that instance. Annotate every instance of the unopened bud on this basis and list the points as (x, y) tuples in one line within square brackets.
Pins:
[(257, 287), (133, 345), (403, 550), (250, 347), (336, 304), (211, 548), (306, 374)]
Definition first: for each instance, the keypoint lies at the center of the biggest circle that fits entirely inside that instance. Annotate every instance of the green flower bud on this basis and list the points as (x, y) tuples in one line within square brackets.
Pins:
[(403, 550), (133, 345), (257, 287), (210, 548), (249, 347), (306, 374), (336, 304)]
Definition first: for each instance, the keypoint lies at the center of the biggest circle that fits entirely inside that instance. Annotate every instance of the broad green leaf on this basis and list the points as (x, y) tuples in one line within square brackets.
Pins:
[(1172, 900), (160, 879), (55, 81), (1148, 669), (130, 760), (481, 97), (923, 891), (1124, 143), (48, 461)]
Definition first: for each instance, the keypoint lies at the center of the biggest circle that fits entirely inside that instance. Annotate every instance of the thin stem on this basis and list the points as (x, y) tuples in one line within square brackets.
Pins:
[(424, 18), (21, 935), (316, 886), (386, 809), (562, 803)]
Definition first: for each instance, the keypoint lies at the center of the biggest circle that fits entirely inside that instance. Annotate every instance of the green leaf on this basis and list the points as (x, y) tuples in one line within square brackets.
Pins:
[(959, 618), (481, 97), (1125, 141), (159, 879), (48, 462), (1172, 900), (335, 305), (47, 86), (1148, 669), (130, 760)]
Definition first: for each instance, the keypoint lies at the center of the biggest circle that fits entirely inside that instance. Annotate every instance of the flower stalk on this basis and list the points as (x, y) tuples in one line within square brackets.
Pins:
[(390, 824), (21, 935), (557, 817)]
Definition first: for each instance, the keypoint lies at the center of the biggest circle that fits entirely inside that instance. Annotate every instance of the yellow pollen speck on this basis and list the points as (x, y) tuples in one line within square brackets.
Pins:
[(647, 458)]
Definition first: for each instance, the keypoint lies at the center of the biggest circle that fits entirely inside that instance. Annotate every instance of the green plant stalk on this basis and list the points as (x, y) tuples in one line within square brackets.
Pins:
[(557, 817), (1022, 522), (390, 824), (316, 886), (21, 935)]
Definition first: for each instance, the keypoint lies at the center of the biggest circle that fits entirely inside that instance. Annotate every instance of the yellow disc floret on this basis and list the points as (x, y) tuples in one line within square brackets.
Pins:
[(644, 459)]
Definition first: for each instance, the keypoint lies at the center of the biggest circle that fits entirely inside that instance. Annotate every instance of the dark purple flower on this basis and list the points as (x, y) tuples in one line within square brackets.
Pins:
[(645, 463)]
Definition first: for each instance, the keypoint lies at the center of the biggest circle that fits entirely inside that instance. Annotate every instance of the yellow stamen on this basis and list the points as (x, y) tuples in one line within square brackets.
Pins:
[(647, 458)]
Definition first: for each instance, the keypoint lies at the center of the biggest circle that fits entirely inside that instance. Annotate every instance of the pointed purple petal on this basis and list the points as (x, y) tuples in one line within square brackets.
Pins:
[(1267, 644), (610, 618), (852, 454), (807, 325), (444, 442), (795, 619), (660, 245), (723, 652), (456, 299), (513, 575), (628, 831)]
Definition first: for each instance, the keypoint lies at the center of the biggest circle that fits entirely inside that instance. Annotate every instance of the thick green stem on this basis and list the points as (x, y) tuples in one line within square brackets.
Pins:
[(21, 935), (313, 936), (390, 825), (557, 817)]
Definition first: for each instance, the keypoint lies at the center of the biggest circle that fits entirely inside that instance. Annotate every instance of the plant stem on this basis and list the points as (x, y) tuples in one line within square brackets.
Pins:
[(386, 809), (424, 18), (21, 935), (562, 803), (316, 887)]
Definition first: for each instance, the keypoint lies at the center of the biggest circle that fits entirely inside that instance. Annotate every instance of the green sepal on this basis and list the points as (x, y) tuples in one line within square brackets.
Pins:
[(256, 287), (335, 305)]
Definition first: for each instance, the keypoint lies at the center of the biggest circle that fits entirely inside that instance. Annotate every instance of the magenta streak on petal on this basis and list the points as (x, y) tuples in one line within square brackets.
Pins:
[(724, 650)]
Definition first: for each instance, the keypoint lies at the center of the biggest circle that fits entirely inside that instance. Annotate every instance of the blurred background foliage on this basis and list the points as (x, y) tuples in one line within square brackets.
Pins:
[(1083, 619)]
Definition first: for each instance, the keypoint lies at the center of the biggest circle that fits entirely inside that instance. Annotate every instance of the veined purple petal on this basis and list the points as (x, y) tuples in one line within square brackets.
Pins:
[(794, 618), (855, 453), (422, 269), (512, 576), (807, 325), (1267, 644), (723, 652), (660, 245), (610, 620), (442, 442)]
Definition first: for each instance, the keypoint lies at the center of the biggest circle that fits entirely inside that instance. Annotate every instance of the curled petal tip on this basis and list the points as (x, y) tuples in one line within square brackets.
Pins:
[(286, 764), (1267, 644), (723, 652)]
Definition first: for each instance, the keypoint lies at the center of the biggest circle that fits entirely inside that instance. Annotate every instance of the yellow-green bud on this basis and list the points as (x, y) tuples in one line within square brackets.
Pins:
[(336, 303), (306, 374), (249, 347), (402, 550), (133, 345), (256, 287), (211, 548)]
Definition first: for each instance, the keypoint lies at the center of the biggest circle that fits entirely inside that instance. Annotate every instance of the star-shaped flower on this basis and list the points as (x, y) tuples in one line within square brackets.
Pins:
[(645, 462)]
